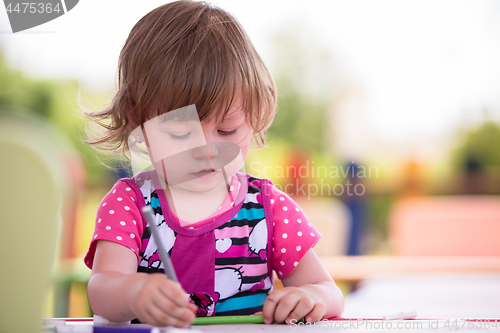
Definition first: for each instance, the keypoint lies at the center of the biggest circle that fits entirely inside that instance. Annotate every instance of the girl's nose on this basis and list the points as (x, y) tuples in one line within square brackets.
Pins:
[(206, 152)]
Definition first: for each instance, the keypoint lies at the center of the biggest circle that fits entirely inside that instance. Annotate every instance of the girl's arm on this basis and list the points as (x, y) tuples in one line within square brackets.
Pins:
[(118, 293), (309, 292)]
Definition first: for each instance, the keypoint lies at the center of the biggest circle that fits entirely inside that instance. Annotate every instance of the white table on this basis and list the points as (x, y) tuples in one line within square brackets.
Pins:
[(433, 295)]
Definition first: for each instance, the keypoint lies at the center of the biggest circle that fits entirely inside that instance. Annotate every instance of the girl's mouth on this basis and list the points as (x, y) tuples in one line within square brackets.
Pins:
[(205, 174)]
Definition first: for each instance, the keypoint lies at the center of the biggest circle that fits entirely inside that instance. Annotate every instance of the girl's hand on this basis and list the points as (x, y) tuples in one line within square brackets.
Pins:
[(309, 293), (292, 303), (118, 293), (159, 301)]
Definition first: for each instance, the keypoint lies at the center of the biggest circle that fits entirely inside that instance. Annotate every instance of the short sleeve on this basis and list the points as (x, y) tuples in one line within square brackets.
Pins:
[(118, 220), (294, 234)]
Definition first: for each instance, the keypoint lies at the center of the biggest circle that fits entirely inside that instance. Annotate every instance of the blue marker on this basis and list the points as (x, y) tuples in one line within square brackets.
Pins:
[(125, 329)]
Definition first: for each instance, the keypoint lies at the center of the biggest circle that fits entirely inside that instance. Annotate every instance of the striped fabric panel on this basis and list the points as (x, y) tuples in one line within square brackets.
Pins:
[(249, 270), (250, 213), (236, 261), (232, 232), (245, 303), (235, 250)]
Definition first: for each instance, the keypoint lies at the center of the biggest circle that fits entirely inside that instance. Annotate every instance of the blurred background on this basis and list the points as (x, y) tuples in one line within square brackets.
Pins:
[(388, 119)]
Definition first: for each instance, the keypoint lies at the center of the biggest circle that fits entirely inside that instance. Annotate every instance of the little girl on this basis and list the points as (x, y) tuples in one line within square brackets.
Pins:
[(193, 93)]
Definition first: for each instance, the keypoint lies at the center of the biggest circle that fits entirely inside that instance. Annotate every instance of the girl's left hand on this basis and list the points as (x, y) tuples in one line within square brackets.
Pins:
[(289, 303)]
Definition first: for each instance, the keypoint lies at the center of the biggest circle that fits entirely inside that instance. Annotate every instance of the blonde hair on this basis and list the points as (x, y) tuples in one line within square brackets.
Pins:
[(185, 53)]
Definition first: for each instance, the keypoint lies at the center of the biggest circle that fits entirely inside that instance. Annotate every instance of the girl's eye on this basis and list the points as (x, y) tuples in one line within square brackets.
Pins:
[(179, 137), (227, 132)]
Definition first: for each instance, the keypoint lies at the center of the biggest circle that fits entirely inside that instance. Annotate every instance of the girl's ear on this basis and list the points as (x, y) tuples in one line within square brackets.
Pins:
[(137, 134)]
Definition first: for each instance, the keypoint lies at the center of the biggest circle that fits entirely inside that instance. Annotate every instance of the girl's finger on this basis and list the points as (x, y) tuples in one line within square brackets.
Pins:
[(166, 306), (150, 316), (317, 313), (268, 309), (303, 307), (173, 291), (159, 317), (285, 306), (271, 302)]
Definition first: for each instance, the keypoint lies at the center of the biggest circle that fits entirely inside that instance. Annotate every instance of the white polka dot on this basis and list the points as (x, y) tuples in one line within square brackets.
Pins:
[(232, 204), (282, 198), (134, 222), (285, 208), (285, 220), (274, 224), (111, 211), (280, 273), (132, 198), (191, 227), (297, 208), (309, 224), (114, 191), (299, 233), (272, 201), (132, 236), (295, 264), (122, 223), (104, 204), (298, 248), (273, 249), (108, 228), (282, 263), (231, 188), (299, 221), (99, 221), (127, 208), (285, 235), (119, 237), (119, 199), (95, 236), (312, 234), (128, 189), (283, 250)]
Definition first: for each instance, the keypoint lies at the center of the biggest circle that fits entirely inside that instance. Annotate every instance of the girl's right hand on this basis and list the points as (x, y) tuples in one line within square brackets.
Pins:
[(159, 301), (117, 292)]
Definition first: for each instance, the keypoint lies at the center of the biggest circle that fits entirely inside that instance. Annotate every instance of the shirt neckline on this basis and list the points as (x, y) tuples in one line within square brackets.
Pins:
[(192, 229)]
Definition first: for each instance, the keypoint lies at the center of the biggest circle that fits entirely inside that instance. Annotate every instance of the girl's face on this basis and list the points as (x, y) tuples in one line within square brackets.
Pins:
[(197, 156)]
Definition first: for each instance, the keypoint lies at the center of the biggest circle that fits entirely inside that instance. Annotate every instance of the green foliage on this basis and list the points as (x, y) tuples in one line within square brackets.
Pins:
[(17, 91), (300, 121), (481, 145), (301, 74), (54, 100)]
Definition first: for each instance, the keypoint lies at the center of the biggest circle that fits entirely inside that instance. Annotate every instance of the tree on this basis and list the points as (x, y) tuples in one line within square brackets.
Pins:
[(480, 147), (303, 78)]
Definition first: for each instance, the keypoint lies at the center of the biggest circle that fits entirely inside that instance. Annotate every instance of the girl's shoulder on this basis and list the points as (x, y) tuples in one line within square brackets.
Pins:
[(121, 191), (144, 179)]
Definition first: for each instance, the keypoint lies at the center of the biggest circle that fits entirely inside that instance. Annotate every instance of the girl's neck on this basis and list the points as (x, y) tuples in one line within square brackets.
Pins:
[(192, 207)]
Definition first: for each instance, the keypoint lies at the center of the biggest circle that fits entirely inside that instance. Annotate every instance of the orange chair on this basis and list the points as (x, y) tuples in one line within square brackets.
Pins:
[(446, 226)]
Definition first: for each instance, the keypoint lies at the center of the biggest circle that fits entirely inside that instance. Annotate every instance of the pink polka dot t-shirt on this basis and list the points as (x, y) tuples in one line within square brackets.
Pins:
[(224, 262), (119, 220)]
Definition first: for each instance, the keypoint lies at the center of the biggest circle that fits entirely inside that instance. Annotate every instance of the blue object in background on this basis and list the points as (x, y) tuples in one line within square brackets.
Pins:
[(123, 171), (356, 205)]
